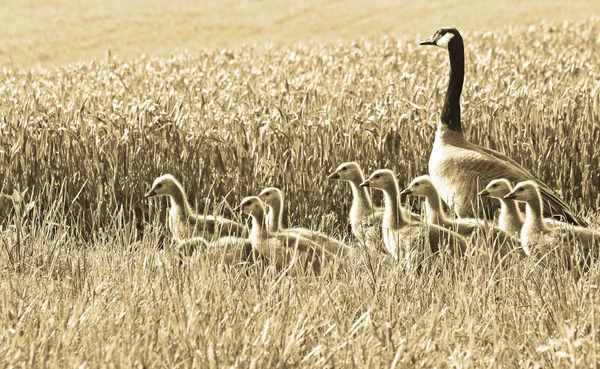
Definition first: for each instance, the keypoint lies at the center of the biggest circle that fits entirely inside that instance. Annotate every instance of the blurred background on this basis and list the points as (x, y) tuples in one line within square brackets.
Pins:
[(56, 32)]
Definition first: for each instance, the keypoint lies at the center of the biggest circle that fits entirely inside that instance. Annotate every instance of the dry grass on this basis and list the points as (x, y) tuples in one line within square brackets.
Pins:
[(83, 283)]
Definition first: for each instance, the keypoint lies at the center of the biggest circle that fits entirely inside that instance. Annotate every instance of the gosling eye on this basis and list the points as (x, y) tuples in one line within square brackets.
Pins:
[(159, 185), (494, 185), (417, 184), (343, 169), (521, 189)]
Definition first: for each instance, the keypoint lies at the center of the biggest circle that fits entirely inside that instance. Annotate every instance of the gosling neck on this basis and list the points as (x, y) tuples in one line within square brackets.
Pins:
[(393, 215), (433, 205), (510, 208), (274, 218), (179, 201), (259, 229), (534, 214), (360, 196)]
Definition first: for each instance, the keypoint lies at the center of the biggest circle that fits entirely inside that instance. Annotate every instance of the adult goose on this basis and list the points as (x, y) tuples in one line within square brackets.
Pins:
[(280, 249), (273, 198), (184, 223), (537, 234), (403, 237), (457, 167)]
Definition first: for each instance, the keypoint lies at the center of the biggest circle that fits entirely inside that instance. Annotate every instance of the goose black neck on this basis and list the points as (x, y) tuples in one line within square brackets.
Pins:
[(451, 110)]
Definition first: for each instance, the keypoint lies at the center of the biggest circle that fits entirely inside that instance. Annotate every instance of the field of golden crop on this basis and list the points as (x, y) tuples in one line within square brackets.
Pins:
[(83, 283)]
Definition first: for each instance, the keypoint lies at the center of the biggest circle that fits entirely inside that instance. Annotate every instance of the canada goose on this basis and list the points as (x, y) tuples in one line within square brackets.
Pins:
[(279, 248), (511, 219), (399, 232), (183, 222), (365, 218), (536, 232), (422, 186), (273, 198), (458, 167)]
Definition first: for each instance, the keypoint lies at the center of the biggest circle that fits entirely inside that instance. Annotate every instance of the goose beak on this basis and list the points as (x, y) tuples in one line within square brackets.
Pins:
[(510, 196), (334, 175), (430, 41), (150, 194), (365, 184), (406, 191), (484, 193)]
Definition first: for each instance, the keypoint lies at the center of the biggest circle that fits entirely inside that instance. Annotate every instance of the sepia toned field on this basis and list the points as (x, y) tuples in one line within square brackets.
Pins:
[(59, 32), (85, 281)]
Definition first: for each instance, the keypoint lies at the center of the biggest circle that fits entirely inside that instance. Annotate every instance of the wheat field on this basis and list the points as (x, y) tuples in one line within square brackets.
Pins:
[(87, 274)]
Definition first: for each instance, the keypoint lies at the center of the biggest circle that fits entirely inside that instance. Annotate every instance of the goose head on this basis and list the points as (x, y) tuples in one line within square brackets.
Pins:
[(165, 185), (524, 191), (443, 37), (381, 179), (420, 186), (251, 205), (349, 172), (498, 188), (271, 196)]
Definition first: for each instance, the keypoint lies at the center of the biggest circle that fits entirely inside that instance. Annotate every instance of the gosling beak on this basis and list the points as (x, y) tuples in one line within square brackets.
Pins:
[(430, 41), (334, 175), (237, 208), (511, 196), (150, 194), (406, 191), (365, 184), (484, 193)]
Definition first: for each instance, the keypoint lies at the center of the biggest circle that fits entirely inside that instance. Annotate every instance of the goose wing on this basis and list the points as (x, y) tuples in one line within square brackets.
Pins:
[(479, 167)]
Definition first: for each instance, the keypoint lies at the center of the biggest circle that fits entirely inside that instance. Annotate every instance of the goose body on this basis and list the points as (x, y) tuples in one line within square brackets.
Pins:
[(280, 249), (538, 234), (184, 223), (234, 250), (273, 199), (458, 168), (400, 233)]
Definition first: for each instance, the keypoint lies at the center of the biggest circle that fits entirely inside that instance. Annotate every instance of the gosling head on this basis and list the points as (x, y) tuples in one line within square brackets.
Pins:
[(251, 205), (349, 172), (524, 191), (271, 196), (420, 186), (381, 179), (498, 188), (444, 37), (165, 185)]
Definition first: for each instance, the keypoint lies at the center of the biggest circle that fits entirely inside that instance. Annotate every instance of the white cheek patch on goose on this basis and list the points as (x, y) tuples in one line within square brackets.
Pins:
[(444, 40)]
